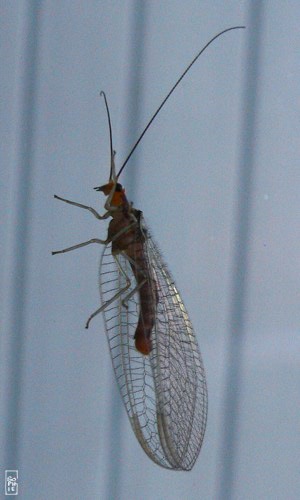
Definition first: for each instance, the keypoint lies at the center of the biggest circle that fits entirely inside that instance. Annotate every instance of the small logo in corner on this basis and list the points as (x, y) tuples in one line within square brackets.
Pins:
[(11, 482)]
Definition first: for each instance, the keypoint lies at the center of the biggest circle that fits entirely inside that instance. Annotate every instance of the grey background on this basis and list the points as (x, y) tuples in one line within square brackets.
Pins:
[(217, 177)]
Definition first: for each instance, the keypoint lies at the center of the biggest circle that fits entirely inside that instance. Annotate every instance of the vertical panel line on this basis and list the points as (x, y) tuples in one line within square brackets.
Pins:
[(240, 271), (16, 297)]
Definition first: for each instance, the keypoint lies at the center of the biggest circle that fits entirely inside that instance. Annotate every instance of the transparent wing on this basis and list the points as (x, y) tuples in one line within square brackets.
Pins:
[(164, 393)]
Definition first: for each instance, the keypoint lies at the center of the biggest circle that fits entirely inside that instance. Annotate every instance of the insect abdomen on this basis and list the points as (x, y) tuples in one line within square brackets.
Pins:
[(147, 295)]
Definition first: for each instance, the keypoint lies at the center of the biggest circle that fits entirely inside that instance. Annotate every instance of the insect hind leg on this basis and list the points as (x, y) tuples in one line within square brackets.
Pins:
[(136, 289), (114, 297), (138, 286)]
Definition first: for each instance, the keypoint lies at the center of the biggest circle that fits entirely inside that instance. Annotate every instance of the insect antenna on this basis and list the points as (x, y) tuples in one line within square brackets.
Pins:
[(112, 175), (171, 91)]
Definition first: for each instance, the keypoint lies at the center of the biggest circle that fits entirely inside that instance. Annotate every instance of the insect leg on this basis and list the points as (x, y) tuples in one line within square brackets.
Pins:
[(118, 294), (139, 285), (93, 240), (136, 289), (94, 212)]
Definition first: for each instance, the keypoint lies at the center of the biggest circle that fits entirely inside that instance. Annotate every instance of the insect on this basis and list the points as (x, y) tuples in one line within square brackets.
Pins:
[(154, 351)]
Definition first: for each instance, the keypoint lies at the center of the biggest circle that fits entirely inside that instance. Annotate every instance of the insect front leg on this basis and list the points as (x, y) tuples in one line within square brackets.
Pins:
[(118, 294), (91, 209)]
